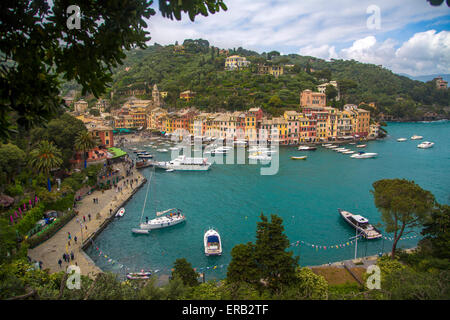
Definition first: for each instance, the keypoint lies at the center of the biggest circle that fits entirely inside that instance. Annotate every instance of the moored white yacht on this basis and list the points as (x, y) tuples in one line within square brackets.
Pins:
[(416, 137), (306, 148), (166, 218), (401, 139), (361, 224), (183, 163), (425, 145), (212, 243)]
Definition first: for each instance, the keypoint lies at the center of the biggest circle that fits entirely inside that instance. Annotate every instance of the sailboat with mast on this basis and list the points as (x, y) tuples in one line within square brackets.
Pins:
[(166, 218)]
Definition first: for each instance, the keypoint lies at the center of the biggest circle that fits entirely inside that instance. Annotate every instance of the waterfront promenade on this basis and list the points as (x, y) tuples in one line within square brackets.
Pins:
[(53, 249)]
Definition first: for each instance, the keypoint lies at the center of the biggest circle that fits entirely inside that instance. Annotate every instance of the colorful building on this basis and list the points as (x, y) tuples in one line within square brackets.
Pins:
[(293, 126), (312, 99)]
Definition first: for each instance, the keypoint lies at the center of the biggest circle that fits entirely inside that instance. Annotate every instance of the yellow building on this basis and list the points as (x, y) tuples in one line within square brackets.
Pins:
[(236, 62), (303, 123), (272, 70), (321, 125), (332, 122)]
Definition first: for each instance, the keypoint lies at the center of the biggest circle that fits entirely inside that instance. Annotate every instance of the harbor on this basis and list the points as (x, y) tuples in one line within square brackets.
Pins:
[(306, 194)]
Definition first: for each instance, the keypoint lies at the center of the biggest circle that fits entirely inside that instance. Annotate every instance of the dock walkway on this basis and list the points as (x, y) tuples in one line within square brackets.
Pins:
[(50, 251)]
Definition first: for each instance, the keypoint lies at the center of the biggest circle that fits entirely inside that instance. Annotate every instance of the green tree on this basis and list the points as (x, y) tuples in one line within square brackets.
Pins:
[(7, 240), (45, 157), (85, 142), (331, 92), (345, 85), (308, 286), (437, 231), (183, 269), (403, 205), (11, 160), (275, 101), (243, 266), (276, 265), (62, 131)]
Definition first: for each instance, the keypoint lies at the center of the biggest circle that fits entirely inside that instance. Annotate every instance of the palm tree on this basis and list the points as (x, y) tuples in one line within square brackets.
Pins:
[(45, 157), (85, 142)]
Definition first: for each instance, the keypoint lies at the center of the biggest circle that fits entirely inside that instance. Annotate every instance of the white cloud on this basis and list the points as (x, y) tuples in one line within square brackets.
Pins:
[(424, 53)]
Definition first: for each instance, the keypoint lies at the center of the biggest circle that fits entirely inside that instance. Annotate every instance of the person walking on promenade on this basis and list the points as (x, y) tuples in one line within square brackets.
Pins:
[(59, 262), (75, 238), (89, 216), (72, 256), (84, 218)]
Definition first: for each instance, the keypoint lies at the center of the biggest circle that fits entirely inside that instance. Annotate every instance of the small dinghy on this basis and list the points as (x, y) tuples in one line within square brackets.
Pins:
[(361, 145), (121, 212), (140, 231), (299, 158), (170, 170)]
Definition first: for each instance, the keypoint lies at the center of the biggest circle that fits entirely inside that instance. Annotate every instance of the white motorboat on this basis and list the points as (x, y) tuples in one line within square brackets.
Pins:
[(184, 163), (162, 150), (416, 137), (257, 149), (121, 212), (170, 170), (349, 152), (306, 148), (361, 145), (326, 145), (339, 149), (165, 219), (401, 139), (361, 224), (332, 147), (240, 143), (260, 156), (425, 145), (343, 150), (212, 243), (221, 150), (364, 155), (262, 150)]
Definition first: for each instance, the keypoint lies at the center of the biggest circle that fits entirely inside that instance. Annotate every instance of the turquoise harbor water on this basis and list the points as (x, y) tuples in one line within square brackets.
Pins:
[(306, 194)]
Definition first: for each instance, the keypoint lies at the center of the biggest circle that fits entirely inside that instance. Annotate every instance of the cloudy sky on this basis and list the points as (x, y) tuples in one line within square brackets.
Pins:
[(406, 36)]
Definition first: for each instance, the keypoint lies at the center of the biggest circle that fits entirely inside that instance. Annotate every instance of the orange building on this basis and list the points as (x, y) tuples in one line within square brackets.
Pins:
[(312, 99)]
